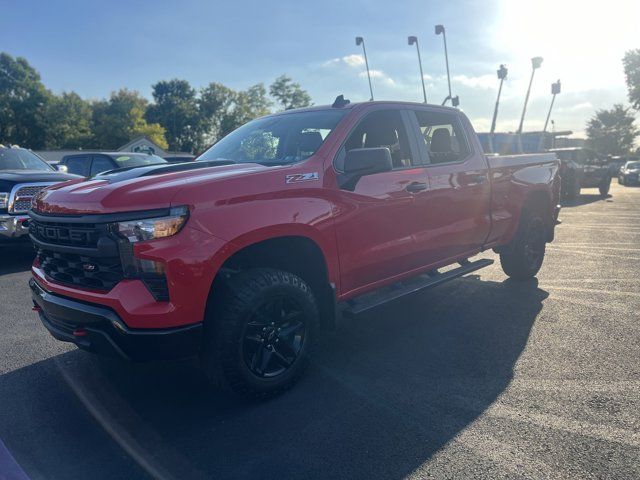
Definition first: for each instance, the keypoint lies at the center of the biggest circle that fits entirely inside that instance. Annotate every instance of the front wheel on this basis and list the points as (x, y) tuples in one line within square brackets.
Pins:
[(604, 188), (523, 257), (261, 332), (621, 180)]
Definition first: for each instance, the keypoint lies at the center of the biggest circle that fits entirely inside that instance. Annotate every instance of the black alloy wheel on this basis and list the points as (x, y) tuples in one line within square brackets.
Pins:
[(273, 337)]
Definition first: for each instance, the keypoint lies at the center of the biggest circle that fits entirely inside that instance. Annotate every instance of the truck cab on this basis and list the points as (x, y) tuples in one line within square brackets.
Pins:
[(580, 168)]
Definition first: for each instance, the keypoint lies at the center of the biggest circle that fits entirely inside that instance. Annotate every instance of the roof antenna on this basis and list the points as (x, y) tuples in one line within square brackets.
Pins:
[(340, 102)]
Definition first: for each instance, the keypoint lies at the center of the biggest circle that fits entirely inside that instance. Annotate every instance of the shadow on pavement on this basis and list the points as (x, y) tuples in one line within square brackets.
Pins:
[(15, 257), (385, 393), (584, 199)]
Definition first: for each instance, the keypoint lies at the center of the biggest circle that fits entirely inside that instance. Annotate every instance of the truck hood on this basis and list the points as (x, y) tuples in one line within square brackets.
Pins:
[(138, 189), (34, 176)]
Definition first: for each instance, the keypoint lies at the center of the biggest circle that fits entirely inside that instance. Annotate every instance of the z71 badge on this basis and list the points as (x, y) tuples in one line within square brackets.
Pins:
[(301, 177)]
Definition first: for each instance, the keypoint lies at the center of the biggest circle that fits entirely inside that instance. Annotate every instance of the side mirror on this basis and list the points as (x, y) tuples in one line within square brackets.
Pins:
[(61, 168), (364, 161)]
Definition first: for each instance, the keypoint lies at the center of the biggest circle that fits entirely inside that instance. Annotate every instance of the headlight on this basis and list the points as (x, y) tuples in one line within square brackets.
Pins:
[(4, 199), (153, 228)]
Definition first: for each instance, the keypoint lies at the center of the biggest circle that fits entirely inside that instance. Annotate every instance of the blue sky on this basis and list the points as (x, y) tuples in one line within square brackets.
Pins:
[(95, 47)]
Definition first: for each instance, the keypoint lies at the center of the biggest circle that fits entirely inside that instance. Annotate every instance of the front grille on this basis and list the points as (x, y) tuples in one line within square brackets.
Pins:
[(101, 273), (68, 234), (20, 201)]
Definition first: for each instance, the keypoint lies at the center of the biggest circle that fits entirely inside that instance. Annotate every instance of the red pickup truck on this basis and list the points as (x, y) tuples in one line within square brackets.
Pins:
[(294, 219)]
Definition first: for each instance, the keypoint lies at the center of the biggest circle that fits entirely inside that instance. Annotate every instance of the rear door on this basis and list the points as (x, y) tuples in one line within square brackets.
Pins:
[(78, 164), (458, 205), (377, 221)]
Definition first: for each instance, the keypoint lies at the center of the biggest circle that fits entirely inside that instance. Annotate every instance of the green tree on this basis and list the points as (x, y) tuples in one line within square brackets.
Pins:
[(612, 132), (631, 62), (247, 105), (68, 122), (175, 107), (214, 104), (121, 118), (23, 100), (289, 93)]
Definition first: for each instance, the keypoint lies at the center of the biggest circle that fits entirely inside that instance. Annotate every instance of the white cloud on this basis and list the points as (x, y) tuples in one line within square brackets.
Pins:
[(379, 74), (349, 60), (482, 82)]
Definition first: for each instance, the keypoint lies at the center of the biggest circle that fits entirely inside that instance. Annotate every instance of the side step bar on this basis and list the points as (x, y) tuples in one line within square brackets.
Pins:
[(367, 301)]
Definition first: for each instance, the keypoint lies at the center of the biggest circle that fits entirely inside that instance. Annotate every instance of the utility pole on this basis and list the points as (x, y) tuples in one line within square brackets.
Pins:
[(411, 40), (360, 41)]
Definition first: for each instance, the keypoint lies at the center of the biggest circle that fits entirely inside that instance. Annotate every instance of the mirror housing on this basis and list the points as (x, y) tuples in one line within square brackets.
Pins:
[(364, 161)]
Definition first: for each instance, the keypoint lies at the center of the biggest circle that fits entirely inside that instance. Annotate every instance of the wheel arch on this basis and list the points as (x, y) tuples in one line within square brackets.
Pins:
[(294, 253)]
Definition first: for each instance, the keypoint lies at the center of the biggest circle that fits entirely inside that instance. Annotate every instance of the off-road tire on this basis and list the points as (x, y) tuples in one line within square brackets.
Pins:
[(620, 180), (234, 311), (523, 257), (604, 188)]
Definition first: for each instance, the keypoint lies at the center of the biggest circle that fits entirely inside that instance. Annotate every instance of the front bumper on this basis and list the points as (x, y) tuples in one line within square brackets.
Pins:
[(14, 226), (100, 330)]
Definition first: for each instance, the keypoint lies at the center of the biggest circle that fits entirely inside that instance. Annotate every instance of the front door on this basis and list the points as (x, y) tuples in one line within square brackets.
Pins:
[(376, 221)]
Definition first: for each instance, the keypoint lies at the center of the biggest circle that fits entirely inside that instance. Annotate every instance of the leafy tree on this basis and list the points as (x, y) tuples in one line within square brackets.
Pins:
[(612, 132), (247, 105), (67, 120), (289, 93), (214, 104), (23, 99), (631, 62), (121, 118), (176, 109)]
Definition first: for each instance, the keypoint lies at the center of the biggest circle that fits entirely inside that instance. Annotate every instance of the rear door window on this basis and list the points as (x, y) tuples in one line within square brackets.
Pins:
[(443, 136), (78, 165), (101, 164)]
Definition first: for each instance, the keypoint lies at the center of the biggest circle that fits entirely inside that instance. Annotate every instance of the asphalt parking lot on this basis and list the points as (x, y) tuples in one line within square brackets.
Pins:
[(478, 378)]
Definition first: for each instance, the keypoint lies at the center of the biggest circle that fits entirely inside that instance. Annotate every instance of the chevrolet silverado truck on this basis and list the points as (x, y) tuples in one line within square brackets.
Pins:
[(287, 224), (582, 168), (22, 175)]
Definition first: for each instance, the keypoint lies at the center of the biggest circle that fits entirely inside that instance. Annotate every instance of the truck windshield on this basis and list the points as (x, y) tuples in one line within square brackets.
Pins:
[(276, 140), (21, 159), (633, 165), (127, 160)]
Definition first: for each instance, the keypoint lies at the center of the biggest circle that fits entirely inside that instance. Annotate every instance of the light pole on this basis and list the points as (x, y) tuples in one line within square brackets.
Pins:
[(360, 41), (535, 64), (502, 74), (411, 40), (555, 89), (440, 30)]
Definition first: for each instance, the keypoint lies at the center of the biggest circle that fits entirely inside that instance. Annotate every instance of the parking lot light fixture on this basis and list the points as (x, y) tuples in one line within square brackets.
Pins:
[(439, 29), (360, 41), (535, 64), (414, 40), (502, 74), (555, 89)]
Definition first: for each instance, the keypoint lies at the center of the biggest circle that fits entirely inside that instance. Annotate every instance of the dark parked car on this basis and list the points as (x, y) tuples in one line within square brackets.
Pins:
[(92, 163), (22, 175), (630, 173), (582, 168)]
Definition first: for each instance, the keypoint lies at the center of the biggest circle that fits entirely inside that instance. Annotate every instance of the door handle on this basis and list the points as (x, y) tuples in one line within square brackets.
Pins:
[(415, 187)]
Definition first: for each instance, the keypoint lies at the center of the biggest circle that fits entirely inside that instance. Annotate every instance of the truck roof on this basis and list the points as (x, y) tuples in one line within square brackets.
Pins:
[(363, 104)]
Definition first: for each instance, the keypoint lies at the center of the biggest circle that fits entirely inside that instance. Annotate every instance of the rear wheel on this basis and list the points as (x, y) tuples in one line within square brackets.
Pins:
[(261, 333), (523, 257)]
